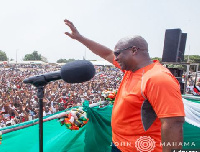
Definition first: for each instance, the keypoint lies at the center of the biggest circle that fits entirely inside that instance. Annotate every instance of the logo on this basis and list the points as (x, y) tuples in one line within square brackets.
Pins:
[(145, 144)]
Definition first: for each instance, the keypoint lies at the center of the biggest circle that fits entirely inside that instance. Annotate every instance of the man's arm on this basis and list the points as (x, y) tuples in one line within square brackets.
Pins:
[(172, 133), (95, 47)]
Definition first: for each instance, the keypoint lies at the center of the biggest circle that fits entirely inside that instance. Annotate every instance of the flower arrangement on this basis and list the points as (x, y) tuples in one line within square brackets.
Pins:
[(109, 95), (74, 119)]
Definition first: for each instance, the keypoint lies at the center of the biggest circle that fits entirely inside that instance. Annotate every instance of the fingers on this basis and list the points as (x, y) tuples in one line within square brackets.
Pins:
[(71, 25), (67, 22), (67, 33), (74, 32)]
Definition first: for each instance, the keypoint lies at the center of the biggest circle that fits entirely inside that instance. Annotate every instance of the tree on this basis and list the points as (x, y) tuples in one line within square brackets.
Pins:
[(70, 60), (34, 56), (61, 61), (192, 58), (44, 59), (64, 60), (3, 56), (156, 58)]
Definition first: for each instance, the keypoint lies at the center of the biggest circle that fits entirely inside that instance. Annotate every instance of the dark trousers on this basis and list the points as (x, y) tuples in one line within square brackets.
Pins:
[(114, 148)]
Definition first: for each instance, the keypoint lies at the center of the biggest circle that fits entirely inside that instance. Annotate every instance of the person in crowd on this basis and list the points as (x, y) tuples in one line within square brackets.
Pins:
[(22, 98)]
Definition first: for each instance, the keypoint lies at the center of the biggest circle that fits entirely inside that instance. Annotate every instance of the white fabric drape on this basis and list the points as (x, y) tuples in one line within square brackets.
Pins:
[(192, 112)]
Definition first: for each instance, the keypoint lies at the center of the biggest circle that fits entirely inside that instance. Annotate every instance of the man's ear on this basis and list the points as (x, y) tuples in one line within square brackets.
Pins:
[(134, 51)]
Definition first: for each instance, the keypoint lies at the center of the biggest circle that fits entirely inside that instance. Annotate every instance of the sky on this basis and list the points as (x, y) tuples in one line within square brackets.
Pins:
[(38, 25)]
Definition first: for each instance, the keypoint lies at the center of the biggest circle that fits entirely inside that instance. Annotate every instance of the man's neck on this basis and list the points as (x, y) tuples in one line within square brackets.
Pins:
[(144, 64)]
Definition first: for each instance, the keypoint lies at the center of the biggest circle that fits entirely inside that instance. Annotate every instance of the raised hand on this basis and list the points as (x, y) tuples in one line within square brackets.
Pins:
[(74, 32), (95, 47)]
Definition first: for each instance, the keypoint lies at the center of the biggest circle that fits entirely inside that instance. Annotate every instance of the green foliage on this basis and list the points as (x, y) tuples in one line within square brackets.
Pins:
[(33, 57), (64, 60), (192, 58), (156, 58), (44, 59), (3, 56), (70, 60), (180, 67)]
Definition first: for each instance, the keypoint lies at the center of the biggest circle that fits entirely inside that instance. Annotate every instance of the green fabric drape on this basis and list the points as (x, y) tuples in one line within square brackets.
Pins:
[(94, 136)]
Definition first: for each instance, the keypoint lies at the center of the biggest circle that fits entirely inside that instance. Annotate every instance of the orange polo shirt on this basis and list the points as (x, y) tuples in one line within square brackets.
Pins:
[(143, 97)]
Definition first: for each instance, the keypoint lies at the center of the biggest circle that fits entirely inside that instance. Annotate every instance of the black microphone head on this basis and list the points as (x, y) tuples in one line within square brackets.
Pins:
[(77, 71)]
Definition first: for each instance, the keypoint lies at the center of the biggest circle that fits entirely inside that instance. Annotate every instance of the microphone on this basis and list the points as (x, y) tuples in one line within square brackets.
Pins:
[(77, 71), (73, 72), (43, 79)]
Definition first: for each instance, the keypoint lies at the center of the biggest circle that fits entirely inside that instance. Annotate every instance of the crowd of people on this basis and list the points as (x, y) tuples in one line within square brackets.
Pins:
[(191, 85), (19, 101)]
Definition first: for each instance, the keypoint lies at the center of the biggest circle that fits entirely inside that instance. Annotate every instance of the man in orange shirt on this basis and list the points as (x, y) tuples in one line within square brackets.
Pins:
[(148, 113)]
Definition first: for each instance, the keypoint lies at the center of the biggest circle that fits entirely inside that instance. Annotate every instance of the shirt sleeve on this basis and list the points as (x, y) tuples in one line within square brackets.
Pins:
[(163, 92)]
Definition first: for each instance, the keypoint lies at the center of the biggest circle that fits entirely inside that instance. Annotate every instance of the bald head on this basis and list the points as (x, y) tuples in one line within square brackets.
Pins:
[(129, 41), (132, 53)]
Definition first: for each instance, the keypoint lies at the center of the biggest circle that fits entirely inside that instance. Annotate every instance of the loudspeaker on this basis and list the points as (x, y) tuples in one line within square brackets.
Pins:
[(176, 72), (171, 45), (182, 87), (182, 47)]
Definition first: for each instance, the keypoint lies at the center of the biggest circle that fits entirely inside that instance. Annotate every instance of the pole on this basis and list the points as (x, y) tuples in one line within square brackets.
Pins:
[(186, 78), (40, 95), (197, 68), (16, 56)]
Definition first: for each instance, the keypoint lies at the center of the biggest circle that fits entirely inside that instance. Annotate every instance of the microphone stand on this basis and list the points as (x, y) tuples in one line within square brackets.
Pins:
[(40, 95), (40, 83)]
